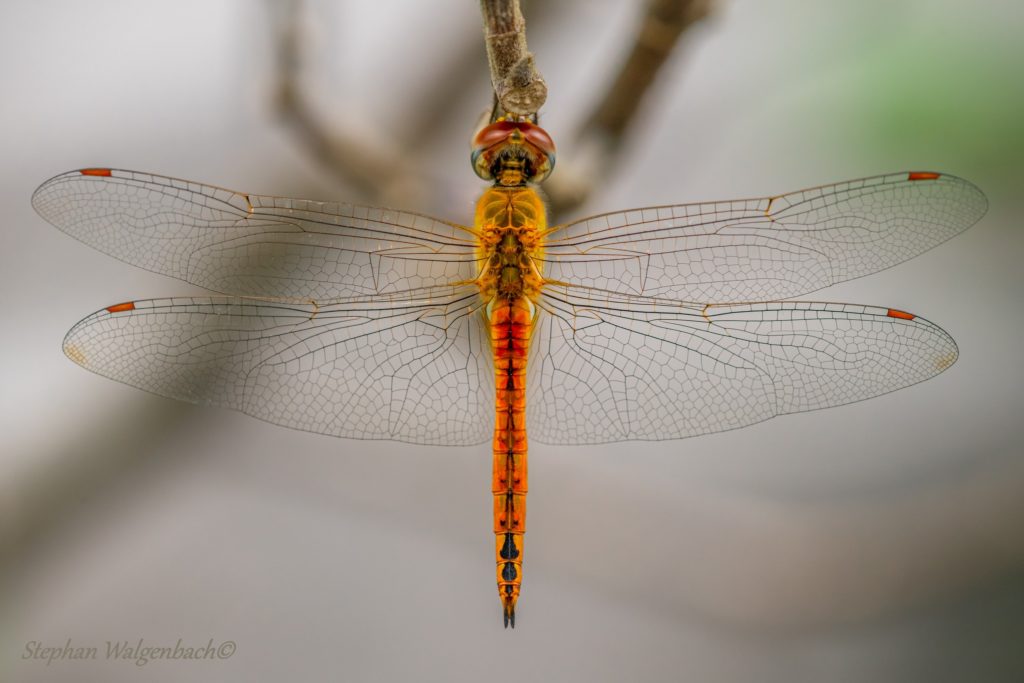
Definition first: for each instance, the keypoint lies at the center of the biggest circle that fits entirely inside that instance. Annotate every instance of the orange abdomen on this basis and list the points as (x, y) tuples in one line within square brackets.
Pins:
[(511, 324)]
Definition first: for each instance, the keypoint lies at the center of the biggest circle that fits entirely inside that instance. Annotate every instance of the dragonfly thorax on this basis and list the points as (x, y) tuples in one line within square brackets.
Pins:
[(510, 222)]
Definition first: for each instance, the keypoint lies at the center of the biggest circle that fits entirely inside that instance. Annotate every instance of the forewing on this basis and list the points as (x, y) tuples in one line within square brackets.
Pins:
[(416, 369), (614, 368), (768, 248), (254, 245)]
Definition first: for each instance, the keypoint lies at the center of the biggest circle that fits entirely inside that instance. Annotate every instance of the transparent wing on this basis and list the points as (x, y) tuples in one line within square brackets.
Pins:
[(414, 369), (252, 245), (614, 368), (768, 248)]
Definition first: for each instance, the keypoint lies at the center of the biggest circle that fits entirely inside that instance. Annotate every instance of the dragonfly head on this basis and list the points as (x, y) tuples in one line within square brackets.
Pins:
[(513, 153)]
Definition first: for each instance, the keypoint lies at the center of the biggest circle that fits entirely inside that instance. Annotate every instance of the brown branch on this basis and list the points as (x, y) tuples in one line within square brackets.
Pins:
[(599, 139), (660, 29), (378, 172), (518, 86)]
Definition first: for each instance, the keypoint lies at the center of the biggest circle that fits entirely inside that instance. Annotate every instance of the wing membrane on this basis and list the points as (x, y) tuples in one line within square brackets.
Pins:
[(768, 248), (413, 369), (614, 368), (254, 245)]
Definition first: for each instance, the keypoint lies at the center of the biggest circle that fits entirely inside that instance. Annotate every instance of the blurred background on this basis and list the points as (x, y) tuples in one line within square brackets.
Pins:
[(874, 542)]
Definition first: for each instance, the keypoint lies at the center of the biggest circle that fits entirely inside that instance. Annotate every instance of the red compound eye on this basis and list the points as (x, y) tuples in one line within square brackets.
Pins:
[(538, 137), (503, 138), (493, 134), (499, 131)]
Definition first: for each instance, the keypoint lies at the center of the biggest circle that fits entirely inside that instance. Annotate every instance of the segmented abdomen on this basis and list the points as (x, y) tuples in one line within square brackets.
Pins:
[(511, 325)]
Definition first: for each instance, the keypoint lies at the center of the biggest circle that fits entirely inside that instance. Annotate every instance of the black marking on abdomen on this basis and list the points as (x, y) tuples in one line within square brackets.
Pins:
[(509, 551), (508, 572)]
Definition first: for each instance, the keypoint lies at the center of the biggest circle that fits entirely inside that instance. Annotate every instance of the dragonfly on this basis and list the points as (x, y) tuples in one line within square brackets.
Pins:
[(367, 323)]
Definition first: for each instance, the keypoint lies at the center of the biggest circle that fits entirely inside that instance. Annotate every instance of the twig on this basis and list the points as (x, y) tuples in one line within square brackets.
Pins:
[(659, 32), (599, 139), (373, 169), (518, 85)]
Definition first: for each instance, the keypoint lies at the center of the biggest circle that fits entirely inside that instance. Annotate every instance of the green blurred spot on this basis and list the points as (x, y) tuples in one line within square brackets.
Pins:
[(969, 104)]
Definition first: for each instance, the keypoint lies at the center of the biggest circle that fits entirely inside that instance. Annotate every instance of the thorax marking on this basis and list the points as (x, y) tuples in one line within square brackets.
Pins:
[(510, 222)]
